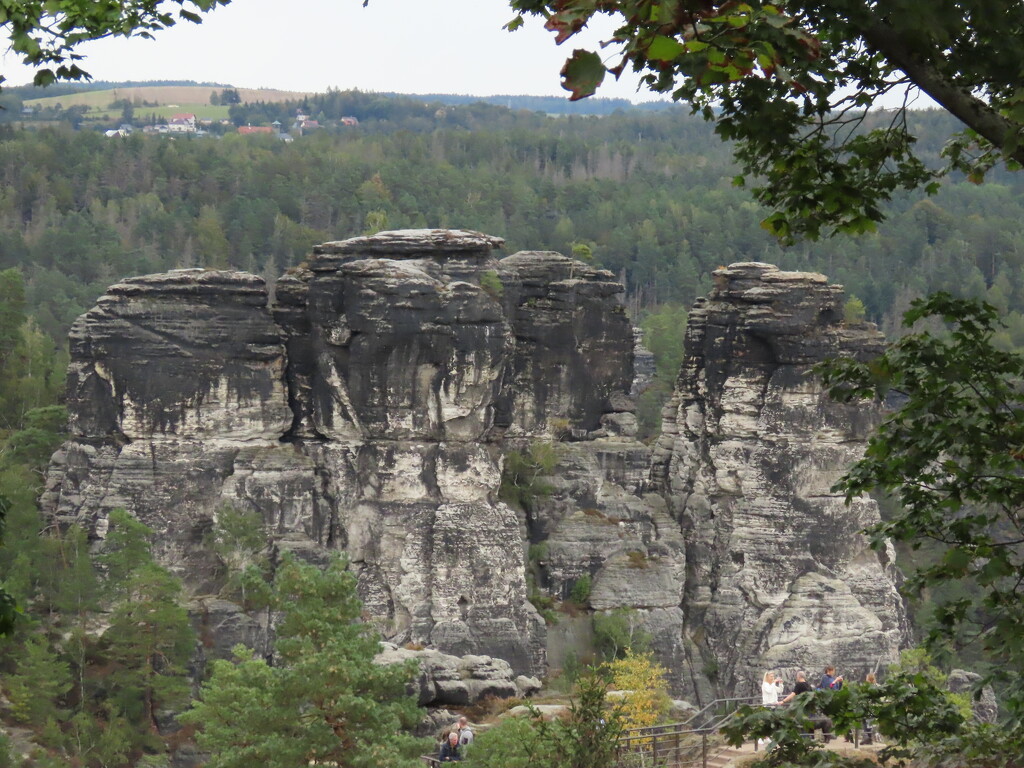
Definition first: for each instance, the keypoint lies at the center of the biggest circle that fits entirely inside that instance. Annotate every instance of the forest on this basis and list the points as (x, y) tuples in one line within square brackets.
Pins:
[(651, 195)]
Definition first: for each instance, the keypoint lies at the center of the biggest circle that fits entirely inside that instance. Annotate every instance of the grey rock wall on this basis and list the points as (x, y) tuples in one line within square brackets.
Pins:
[(366, 410), (360, 413), (777, 575)]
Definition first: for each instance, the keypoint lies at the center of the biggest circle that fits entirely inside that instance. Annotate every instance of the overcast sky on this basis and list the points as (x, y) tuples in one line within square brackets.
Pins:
[(408, 46)]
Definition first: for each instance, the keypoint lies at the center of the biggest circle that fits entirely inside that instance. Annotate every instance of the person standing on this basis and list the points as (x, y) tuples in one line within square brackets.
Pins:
[(801, 686), (465, 732), (771, 689), (829, 680), (869, 725), (450, 749), (817, 721)]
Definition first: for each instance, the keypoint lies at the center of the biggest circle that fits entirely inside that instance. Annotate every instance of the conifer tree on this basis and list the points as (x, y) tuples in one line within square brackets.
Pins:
[(150, 637), (323, 701)]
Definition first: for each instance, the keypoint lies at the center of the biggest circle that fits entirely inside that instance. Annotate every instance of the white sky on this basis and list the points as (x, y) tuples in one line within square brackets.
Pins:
[(407, 46)]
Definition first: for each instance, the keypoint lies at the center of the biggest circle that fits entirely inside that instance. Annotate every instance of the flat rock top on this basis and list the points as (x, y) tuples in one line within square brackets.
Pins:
[(769, 273), (402, 241), (190, 282)]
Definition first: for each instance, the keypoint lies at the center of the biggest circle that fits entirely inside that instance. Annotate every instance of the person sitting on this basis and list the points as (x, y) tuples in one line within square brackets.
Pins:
[(450, 749), (770, 689)]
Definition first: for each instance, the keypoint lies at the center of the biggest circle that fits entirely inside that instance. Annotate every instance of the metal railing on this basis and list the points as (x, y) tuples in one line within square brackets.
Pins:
[(678, 745)]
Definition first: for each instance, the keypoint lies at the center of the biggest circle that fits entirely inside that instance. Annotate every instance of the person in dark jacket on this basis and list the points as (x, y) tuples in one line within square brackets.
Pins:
[(450, 749), (817, 721), (830, 681)]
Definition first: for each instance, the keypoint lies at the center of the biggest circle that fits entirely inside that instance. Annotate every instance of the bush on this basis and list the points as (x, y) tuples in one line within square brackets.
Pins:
[(513, 743), (616, 631), (580, 592), (637, 559), (647, 701), (521, 479), (491, 284)]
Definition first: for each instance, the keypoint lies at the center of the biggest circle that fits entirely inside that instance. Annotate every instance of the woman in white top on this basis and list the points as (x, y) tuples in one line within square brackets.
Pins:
[(771, 689)]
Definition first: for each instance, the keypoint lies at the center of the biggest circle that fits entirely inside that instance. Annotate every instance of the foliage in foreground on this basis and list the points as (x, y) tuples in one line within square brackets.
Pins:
[(585, 738), (324, 700), (953, 457), (46, 35), (800, 87)]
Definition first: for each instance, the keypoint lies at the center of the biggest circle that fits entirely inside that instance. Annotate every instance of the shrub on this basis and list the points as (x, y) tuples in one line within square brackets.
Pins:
[(854, 311), (491, 284), (521, 478), (616, 631), (647, 699), (580, 592), (637, 559)]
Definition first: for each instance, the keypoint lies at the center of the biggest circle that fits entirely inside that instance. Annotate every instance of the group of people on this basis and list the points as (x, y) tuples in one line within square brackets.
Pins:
[(455, 740), (772, 688)]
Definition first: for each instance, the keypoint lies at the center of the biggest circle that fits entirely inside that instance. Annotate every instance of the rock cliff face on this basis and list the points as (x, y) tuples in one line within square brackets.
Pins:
[(366, 408), (777, 576), (359, 412)]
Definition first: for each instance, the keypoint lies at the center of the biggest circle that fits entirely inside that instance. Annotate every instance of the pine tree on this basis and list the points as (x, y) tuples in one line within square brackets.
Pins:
[(40, 680), (323, 701)]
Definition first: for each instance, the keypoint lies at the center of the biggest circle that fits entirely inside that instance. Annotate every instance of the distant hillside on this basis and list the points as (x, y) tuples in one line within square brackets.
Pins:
[(552, 105), (97, 95), (161, 95)]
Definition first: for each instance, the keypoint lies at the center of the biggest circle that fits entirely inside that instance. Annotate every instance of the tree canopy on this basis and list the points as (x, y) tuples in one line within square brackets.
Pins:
[(952, 456), (815, 94), (45, 33)]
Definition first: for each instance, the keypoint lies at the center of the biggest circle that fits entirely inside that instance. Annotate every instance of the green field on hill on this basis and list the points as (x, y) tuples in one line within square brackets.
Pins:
[(175, 97), (201, 111)]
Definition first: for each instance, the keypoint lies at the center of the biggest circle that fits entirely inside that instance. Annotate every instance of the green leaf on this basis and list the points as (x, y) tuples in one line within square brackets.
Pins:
[(664, 48), (582, 74)]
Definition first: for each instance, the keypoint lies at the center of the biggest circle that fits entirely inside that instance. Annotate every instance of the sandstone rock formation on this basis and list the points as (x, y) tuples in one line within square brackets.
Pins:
[(366, 408), (458, 681), (777, 575), (360, 412)]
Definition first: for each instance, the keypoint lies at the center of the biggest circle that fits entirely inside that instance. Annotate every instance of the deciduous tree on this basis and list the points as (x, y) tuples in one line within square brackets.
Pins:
[(815, 94), (952, 456), (46, 34)]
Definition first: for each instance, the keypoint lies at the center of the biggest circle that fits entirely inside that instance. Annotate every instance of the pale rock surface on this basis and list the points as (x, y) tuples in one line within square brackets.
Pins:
[(777, 575), (362, 413), (986, 707), (366, 412), (445, 680)]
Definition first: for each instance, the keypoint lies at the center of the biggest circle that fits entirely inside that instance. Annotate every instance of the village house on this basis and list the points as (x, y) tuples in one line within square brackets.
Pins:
[(182, 123)]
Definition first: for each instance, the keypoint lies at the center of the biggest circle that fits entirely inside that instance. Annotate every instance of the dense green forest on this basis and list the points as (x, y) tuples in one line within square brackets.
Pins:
[(650, 193)]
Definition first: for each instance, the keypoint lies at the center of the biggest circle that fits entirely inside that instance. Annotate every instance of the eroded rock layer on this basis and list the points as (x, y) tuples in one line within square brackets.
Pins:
[(357, 414), (777, 575), (367, 408)]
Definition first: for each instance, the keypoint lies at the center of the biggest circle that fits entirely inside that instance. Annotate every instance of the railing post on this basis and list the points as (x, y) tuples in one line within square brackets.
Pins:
[(704, 749)]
